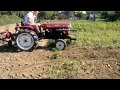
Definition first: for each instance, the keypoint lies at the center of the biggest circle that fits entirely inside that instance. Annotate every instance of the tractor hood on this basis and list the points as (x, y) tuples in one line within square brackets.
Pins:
[(48, 25)]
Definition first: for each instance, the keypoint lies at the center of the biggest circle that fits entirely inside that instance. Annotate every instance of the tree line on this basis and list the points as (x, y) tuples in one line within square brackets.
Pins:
[(107, 15), (20, 14), (111, 15)]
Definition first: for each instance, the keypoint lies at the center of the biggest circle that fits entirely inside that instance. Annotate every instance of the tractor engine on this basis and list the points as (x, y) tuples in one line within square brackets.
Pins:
[(56, 30)]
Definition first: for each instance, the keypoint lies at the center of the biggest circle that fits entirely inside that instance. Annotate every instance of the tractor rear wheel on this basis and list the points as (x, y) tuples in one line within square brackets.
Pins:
[(26, 40)]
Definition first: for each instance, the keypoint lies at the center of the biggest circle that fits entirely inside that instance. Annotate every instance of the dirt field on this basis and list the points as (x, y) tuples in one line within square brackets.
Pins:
[(93, 64)]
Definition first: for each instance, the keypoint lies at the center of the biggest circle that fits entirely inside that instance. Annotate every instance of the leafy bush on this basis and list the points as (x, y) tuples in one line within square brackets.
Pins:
[(111, 15)]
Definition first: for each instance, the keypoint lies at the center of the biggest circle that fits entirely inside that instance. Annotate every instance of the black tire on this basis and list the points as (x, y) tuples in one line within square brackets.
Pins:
[(26, 37), (60, 44)]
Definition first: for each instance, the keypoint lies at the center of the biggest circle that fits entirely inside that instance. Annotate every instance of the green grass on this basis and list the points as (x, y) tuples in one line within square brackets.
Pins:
[(97, 34), (8, 19), (64, 69)]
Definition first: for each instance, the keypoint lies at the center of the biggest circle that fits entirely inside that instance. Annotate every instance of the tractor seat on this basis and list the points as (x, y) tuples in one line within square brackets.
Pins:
[(30, 27), (23, 24)]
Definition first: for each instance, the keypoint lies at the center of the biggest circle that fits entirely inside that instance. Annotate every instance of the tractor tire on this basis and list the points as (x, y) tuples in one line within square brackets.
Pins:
[(26, 40), (60, 44)]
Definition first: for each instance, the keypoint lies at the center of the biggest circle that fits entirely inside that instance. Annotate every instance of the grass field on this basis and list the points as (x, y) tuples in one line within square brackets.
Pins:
[(97, 34), (8, 19)]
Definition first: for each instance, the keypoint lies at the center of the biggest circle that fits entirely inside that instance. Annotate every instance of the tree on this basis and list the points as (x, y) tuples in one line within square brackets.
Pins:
[(111, 15), (47, 15), (79, 15), (20, 14), (71, 13)]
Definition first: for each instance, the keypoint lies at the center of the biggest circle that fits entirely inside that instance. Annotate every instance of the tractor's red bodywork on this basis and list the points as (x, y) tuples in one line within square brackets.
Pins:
[(55, 25), (25, 27), (48, 25)]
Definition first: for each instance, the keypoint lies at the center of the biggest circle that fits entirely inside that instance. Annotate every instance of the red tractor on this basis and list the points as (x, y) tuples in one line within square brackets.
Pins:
[(25, 37)]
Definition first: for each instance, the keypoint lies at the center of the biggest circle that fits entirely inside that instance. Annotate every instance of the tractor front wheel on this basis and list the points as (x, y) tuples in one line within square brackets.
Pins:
[(60, 44)]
